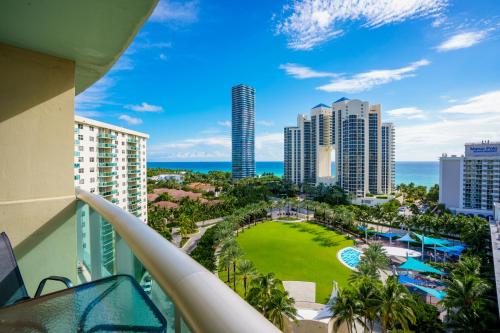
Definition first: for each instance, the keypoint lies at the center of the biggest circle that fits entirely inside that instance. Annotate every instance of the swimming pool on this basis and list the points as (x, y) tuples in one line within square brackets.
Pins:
[(350, 257)]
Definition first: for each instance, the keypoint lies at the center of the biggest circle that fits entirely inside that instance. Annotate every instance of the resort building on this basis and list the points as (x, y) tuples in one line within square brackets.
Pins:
[(470, 184), (243, 131), (50, 52), (351, 133), (111, 161)]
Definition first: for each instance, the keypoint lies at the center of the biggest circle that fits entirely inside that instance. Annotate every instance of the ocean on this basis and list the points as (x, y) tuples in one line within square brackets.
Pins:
[(420, 173)]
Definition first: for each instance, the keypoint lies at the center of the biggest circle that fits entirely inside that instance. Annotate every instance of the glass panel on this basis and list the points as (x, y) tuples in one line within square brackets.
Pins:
[(102, 253)]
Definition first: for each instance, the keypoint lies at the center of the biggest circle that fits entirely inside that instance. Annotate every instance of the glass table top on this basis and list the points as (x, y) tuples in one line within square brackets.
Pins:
[(113, 304)]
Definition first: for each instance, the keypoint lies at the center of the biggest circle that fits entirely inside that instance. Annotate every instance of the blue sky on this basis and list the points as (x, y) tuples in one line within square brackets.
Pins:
[(433, 65)]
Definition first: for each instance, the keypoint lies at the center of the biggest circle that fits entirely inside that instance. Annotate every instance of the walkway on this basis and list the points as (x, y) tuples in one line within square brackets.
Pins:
[(193, 240)]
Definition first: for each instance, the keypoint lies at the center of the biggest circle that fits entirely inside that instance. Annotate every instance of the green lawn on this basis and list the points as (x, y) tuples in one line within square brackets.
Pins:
[(297, 252)]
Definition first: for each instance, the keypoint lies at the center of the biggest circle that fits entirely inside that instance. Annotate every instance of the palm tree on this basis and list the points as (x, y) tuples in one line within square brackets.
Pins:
[(346, 310), (280, 305), (466, 302), (367, 291), (395, 305), (247, 271), (374, 256), (260, 291), (230, 252)]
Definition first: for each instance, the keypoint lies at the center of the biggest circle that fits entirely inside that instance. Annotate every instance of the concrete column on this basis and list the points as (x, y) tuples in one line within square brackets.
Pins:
[(37, 205)]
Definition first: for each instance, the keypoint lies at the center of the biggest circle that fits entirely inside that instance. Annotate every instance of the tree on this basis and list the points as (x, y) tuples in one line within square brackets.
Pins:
[(466, 302), (229, 252), (280, 305), (367, 291), (395, 306), (375, 258), (426, 317), (346, 309), (260, 292), (247, 271), (475, 233)]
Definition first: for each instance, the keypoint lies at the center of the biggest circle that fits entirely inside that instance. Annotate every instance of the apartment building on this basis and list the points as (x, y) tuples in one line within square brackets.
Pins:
[(243, 131), (111, 161), (351, 133), (470, 184)]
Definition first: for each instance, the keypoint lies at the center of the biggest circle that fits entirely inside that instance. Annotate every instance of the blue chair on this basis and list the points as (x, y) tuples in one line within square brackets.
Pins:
[(12, 288)]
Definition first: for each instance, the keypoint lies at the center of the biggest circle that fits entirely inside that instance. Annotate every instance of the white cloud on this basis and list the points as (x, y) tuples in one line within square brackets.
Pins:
[(447, 134), (89, 114), (130, 120), (176, 12), (144, 107), (407, 113), (462, 40), (367, 80), (302, 72), (94, 96), (313, 22), (481, 104), (124, 63), (163, 56), (267, 123), (224, 123)]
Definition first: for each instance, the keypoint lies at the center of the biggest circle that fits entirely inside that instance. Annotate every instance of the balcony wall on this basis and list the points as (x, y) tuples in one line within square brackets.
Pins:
[(37, 203)]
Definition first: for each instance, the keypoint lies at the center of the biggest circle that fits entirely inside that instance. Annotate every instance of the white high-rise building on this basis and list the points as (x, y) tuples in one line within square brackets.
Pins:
[(111, 161), (470, 184), (350, 131)]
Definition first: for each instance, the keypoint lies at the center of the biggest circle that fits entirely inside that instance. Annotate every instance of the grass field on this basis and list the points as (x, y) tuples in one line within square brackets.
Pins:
[(297, 252)]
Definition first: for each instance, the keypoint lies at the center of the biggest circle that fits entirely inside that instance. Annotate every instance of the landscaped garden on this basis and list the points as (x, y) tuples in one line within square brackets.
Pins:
[(297, 252)]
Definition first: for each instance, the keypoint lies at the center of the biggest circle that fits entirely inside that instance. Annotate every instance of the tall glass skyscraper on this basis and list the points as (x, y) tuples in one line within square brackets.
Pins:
[(243, 131)]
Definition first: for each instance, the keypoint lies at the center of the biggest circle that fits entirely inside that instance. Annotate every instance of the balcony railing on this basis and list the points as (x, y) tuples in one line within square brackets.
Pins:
[(107, 174), (106, 145), (107, 164), (106, 136), (187, 294)]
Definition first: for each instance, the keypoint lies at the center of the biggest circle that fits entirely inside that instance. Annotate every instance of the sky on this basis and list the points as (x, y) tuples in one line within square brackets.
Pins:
[(433, 65)]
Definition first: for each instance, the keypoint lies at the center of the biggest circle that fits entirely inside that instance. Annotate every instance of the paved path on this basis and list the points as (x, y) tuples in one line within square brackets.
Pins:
[(195, 238)]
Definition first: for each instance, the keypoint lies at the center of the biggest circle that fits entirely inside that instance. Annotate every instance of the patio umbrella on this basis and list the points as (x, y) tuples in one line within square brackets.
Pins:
[(406, 238)]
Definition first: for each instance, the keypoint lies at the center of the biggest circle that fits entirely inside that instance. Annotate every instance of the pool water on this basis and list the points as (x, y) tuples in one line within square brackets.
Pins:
[(350, 256)]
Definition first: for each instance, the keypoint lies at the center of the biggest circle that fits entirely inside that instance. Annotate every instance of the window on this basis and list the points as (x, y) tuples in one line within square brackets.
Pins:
[(123, 183), (123, 151), (123, 168), (80, 126), (123, 176), (92, 180), (91, 138), (123, 192), (91, 159), (116, 142), (80, 137), (123, 143), (80, 148), (91, 149), (82, 181), (91, 128), (80, 159), (123, 159), (80, 170)]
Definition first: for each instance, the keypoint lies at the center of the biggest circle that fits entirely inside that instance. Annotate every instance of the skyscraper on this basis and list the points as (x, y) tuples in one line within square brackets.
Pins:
[(352, 132), (243, 131)]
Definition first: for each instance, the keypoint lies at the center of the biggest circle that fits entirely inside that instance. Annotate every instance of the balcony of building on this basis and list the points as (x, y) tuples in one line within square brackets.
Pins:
[(127, 277)]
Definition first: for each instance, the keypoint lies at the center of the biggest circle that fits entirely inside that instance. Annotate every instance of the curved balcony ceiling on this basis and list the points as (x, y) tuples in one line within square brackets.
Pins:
[(93, 33)]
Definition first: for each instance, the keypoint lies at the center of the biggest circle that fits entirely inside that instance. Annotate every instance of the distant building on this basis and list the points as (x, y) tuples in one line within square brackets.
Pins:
[(166, 176), (470, 184), (243, 131), (111, 161), (353, 133)]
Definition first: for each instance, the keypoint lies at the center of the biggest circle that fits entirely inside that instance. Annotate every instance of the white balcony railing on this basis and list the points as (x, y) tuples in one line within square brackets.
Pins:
[(204, 302)]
